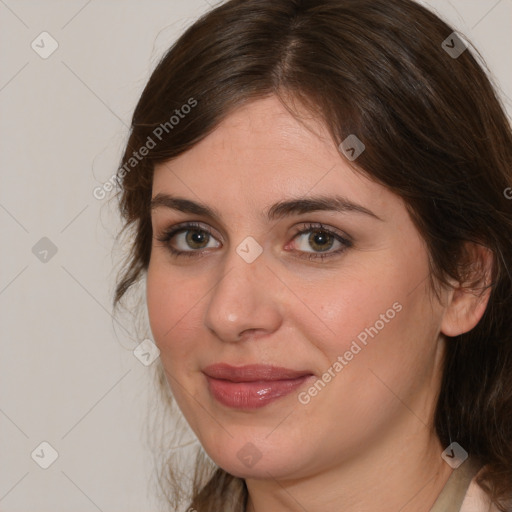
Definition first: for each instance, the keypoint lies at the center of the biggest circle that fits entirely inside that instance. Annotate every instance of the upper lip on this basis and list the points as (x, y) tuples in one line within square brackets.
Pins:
[(252, 372)]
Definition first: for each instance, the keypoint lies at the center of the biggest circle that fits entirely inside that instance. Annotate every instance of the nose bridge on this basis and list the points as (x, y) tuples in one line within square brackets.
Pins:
[(243, 299)]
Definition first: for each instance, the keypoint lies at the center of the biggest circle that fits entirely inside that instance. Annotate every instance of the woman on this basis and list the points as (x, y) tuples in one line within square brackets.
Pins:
[(317, 193)]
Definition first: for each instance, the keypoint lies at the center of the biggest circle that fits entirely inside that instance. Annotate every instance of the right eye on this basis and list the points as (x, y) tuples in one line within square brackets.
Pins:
[(187, 239)]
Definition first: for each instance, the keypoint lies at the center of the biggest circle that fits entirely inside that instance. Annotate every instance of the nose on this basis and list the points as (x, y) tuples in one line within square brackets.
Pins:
[(245, 301)]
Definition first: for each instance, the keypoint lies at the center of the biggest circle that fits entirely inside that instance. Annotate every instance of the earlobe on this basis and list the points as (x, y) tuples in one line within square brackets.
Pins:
[(468, 300)]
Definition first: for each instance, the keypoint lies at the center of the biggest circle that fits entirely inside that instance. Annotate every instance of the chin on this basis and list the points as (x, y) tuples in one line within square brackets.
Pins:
[(245, 459)]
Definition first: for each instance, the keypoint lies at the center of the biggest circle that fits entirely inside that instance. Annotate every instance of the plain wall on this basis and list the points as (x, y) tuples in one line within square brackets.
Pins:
[(67, 377)]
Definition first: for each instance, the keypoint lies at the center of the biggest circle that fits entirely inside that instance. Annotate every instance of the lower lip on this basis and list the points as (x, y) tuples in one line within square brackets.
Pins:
[(252, 395)]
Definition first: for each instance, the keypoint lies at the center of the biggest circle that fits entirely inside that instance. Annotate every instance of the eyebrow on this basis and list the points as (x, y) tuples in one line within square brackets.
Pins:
[(276, 211)]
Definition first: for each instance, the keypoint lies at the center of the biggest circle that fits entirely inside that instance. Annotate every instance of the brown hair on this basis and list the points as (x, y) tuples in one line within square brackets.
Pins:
[(435, 134)]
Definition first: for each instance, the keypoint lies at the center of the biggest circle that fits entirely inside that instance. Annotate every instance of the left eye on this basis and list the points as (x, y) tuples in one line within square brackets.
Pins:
[(318, 239), (321, 240)]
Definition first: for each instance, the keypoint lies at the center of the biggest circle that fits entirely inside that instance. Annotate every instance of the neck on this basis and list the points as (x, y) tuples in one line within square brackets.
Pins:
[(409, 481)]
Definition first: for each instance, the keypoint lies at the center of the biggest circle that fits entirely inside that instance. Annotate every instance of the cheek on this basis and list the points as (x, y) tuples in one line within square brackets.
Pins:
[(173, 304), (348, 305), (388, 349), (387, 345), (379, 318)]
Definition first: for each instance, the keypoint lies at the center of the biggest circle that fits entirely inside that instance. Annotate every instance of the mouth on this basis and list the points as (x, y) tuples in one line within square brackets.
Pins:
[(252, 386)]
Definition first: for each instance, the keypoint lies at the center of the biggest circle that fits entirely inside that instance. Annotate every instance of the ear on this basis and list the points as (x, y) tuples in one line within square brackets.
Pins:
[(467, 300)]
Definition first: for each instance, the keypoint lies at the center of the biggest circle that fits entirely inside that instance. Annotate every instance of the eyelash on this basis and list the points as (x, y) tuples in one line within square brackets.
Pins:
[(168, 234)]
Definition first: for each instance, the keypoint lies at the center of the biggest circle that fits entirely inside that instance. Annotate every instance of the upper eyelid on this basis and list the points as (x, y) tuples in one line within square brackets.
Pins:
[(189, 225)]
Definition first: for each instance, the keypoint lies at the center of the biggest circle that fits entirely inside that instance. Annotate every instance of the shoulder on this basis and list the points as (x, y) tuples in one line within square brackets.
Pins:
[(476, 499)]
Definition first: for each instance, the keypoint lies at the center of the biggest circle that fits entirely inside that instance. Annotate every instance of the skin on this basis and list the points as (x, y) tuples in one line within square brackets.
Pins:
[(371, 426)]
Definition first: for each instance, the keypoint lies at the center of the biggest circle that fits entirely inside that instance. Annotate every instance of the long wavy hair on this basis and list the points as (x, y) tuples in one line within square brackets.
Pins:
[(436, 135)]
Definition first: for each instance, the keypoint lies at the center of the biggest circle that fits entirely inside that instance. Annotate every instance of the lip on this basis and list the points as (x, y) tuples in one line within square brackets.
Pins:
[(252, 386)]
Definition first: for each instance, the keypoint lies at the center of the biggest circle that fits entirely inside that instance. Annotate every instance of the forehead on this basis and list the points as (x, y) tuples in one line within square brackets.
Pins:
[(263, 132), (261, 154)]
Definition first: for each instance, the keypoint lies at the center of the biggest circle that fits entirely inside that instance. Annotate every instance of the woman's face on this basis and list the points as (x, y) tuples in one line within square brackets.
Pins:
[(355, 334)]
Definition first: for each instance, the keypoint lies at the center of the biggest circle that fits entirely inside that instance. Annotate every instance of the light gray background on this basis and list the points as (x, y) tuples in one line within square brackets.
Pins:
[(68, 375)]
